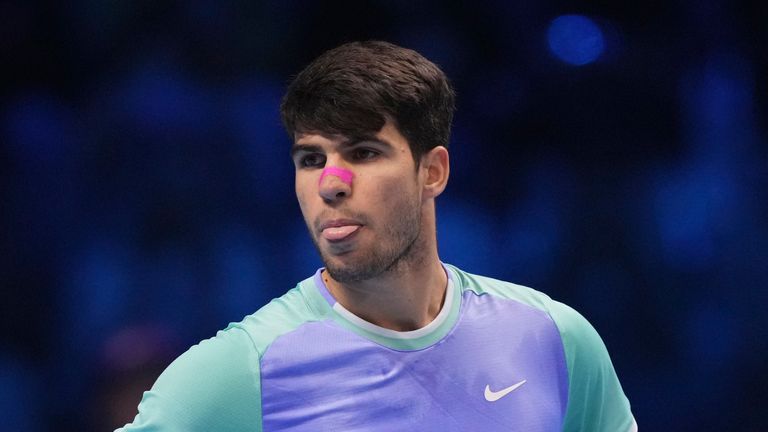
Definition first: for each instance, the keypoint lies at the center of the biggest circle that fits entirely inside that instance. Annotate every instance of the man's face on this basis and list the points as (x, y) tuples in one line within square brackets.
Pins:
[(368, 225)]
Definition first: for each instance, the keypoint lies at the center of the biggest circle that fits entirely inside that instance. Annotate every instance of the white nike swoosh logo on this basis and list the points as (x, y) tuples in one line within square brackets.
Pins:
[(492, 396)]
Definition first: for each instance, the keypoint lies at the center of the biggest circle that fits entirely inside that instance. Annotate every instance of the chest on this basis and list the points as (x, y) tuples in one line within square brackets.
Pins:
[(505, 373)]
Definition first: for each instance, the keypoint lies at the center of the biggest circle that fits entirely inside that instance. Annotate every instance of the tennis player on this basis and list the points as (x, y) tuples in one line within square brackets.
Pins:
[(386, 336)]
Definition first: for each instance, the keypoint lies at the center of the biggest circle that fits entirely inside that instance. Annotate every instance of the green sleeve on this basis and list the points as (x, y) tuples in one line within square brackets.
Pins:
[(596, 401), (214, 386)]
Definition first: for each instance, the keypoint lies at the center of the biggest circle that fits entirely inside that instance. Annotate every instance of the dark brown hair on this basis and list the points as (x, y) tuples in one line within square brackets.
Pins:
[(353, 89)]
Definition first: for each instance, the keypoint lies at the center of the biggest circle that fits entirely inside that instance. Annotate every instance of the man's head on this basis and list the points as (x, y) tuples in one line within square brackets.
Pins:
[(370, 122), (352, 90)]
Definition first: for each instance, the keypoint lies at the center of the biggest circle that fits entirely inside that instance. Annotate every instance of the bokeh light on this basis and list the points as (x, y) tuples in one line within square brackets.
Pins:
[(575, 39)]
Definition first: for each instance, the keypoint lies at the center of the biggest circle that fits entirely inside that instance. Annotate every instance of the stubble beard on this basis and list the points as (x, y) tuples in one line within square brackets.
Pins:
[(398, 249)]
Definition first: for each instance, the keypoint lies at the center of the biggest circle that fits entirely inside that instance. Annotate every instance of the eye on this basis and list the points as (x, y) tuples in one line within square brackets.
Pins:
[(311, 160), (364, 153)]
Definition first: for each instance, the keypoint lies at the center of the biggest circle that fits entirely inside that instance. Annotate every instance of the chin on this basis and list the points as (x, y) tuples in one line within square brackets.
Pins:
[(339, 265), (345, 272)]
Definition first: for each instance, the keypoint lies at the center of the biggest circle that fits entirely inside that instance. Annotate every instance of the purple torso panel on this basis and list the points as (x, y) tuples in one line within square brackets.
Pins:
[(500, 367)]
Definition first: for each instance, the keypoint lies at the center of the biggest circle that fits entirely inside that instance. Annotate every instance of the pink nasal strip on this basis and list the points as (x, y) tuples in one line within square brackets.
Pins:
[(344, 175)]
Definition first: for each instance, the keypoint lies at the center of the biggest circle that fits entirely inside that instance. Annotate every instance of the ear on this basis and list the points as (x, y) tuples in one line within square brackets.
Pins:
[(435, 166)]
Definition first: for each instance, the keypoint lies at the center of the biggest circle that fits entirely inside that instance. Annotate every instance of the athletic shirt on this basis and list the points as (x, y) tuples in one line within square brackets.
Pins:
[(498, 357)]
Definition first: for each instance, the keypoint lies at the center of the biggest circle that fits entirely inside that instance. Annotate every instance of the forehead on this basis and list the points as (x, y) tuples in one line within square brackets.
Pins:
[(312, 137)]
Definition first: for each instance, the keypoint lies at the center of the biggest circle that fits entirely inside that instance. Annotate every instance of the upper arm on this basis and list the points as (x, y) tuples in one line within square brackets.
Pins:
[(215, 385), (596, 401)]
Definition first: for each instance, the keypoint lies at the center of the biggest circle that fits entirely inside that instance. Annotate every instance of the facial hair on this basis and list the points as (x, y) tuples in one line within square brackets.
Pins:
[(397, 245)]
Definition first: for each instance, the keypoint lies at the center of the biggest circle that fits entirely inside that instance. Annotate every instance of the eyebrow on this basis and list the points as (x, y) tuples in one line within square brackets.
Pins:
[(351, 142), (307, 148)]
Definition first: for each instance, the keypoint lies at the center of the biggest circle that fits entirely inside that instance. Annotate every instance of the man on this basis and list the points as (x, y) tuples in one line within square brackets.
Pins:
[(385, 337)]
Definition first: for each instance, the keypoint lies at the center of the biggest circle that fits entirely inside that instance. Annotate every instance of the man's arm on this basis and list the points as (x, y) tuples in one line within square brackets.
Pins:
[(596, 401), (215, 385)]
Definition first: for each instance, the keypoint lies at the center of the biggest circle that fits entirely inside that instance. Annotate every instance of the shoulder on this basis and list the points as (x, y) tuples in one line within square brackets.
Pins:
[(209, 387), (215, 385), (483, 285), (577, 334), (570, 323), (282, 315)]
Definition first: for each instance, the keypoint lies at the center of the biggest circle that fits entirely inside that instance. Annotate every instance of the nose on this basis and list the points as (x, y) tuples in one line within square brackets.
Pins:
[(335, 183)]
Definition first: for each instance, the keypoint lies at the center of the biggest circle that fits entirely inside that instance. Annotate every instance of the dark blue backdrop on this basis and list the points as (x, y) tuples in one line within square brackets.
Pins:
[(611, 155)]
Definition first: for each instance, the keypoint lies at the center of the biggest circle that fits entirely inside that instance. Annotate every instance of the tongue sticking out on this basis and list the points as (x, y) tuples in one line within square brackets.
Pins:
[(339, 233)]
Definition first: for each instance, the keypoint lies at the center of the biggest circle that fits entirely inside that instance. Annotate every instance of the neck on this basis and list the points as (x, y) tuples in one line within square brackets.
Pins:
[(404, 298)]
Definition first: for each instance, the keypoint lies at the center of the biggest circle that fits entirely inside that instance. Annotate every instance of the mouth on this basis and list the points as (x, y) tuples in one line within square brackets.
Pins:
[(338, 230)]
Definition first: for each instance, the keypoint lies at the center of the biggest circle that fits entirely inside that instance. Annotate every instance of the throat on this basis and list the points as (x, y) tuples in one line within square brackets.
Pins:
[(392, 304)]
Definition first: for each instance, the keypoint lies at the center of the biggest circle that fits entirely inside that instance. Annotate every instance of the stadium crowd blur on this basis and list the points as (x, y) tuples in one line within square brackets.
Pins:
[(612, 155)]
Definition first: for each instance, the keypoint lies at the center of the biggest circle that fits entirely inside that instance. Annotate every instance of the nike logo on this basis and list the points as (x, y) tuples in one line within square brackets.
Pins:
[(493, 396)]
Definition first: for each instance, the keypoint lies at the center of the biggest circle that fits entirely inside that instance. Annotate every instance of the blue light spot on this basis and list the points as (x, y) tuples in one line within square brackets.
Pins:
[(575, 39)]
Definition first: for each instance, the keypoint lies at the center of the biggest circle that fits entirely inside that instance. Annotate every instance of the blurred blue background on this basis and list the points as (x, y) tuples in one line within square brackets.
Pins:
[(610, 154)]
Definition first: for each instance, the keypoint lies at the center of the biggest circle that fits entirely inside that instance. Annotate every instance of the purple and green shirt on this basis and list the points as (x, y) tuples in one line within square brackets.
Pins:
[(498, 357)]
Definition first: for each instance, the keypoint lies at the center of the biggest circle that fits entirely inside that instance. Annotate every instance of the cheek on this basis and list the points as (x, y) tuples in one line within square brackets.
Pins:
[(393, 192)]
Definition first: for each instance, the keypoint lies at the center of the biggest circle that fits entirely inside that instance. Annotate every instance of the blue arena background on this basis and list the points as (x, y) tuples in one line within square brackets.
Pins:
[(612, 155)]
